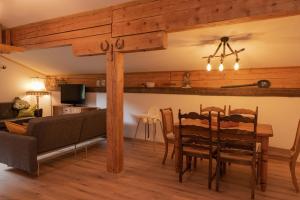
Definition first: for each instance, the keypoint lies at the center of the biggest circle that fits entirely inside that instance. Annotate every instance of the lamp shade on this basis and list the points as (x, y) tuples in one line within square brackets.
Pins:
[(37, 84)]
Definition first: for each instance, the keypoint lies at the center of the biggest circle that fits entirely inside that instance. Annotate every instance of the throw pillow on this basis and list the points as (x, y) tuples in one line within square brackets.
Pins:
[(16, 128), (27, 112), (20, 104)]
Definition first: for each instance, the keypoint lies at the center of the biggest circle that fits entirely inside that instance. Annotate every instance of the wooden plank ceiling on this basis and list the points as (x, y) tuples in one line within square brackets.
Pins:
[(140, 17)]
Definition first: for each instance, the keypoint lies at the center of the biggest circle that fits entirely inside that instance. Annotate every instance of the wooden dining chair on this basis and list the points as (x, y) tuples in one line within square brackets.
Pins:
[(214, 110), (237, 146), (195, 141), (168, 131), (291, 156)]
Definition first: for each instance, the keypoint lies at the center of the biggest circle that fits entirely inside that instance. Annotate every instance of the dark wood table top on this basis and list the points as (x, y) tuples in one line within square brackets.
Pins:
[(263, 130)]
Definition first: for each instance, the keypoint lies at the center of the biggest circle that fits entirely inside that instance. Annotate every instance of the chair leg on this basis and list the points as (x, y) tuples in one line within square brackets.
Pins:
[(154, 136), (195, 162), (86, 150), (189, 163), (293, 174), (180, 167), (137, 128), (224, 167), (218, 175), (253, 180), (173, 152), (145, 126), (166, 152), (209, 173), (258, 170)]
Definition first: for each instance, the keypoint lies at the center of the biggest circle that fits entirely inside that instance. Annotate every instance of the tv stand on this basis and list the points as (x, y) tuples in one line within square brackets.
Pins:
[(69, 109)]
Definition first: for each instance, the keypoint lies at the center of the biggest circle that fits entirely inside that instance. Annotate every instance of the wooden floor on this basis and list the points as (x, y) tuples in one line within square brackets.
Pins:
[(143, 178)]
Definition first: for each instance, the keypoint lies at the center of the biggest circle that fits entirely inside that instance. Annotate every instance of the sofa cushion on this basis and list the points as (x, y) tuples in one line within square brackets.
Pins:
[(55, 132), (15, 128), (7, 111), (94, 124), (27, 112)]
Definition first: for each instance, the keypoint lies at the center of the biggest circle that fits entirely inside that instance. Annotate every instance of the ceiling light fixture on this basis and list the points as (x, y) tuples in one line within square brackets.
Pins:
[(225, 45)]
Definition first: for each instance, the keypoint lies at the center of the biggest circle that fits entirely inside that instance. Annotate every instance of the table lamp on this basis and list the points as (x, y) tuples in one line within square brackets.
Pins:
[(37, 88)]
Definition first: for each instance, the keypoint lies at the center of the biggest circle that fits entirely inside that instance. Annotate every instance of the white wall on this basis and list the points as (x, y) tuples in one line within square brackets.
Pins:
[(282, 112), (15, 81)]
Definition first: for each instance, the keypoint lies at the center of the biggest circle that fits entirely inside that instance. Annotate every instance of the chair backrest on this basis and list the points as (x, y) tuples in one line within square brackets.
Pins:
[(213, 109), (296, 147), (167, 121), (194, 135), (237, 139), (153, 112), (243, 111)]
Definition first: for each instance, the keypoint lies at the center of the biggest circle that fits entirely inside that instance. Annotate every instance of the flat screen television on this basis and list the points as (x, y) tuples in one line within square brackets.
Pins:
[(72, 94)]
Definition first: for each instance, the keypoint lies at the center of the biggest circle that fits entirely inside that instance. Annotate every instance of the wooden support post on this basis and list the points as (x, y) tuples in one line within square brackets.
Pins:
[(114, 123)]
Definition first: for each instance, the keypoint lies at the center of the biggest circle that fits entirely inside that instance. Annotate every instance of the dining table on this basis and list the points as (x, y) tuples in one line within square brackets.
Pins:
[(263, 133)]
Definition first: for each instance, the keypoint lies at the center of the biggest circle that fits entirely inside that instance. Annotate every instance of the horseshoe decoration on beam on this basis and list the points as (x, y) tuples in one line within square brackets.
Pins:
[(120, 43), (104, 46)]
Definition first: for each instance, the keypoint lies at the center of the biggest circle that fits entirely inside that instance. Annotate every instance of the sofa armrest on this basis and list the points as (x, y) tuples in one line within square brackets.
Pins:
[(18, 151)]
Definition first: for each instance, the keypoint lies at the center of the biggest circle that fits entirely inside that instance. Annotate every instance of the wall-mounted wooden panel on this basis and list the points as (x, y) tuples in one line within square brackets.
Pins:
[(287, 77)]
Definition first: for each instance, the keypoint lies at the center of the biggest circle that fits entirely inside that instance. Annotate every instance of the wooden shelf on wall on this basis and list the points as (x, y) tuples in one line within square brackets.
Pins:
[(258, 92)]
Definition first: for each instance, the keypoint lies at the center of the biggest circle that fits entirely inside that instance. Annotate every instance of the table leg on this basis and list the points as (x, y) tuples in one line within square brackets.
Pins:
[(264, 163)]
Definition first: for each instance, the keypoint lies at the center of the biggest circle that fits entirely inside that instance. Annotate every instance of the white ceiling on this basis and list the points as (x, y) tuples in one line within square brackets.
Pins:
[(271, 43)]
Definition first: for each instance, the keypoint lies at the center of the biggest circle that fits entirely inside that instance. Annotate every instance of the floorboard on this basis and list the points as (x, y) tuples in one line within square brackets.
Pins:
[(144, 177)]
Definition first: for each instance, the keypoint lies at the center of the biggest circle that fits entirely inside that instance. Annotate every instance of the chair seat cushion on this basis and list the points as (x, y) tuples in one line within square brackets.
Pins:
[(194, 151), (236, 158)]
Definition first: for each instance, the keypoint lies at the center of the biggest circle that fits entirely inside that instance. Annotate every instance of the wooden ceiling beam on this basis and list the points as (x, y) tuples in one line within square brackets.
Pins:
[(69, 23), (178, 15), (147, 16), (89, 46)]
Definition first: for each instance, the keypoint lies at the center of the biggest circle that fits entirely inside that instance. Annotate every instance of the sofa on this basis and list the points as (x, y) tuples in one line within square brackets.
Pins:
[(8, 113), (48, 134)]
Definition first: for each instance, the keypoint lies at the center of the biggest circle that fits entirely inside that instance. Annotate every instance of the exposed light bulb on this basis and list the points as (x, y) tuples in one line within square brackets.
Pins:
[(236, 66), (208, 67), (221, 67)]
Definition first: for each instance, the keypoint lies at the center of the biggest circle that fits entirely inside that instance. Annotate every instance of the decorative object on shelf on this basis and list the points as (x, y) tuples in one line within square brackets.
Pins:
[(260, 84), (186, 83), (150, 84), (60, 81), (103, 83), (37, 89), (225, 45)]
